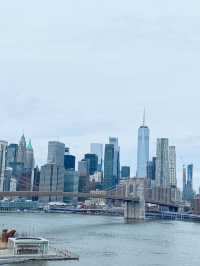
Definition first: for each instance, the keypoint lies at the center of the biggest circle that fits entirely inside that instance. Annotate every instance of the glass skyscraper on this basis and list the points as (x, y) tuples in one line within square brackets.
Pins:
[(151, 170), (190, 175), (142, 150), (108, 179), (125, 172), (111, 163), (97, 148), (93, 162), (69, 160), (116, 160), (188, 192)]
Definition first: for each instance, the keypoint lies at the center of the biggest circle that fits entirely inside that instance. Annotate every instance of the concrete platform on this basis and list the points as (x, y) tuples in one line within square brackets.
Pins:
[(7, 258)]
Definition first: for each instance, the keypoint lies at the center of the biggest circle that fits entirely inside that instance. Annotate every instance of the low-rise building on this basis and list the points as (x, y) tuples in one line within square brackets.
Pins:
[(28, 246)]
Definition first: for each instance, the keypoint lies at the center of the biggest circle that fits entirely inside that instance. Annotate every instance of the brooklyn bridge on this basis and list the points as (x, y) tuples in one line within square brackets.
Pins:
[(133, 192)]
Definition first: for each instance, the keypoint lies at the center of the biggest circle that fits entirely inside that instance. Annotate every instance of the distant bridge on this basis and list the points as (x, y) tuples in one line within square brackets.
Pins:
[(132, 192), (96, 195)]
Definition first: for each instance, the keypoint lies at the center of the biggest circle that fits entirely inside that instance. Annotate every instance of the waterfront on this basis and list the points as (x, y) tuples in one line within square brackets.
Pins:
[(104, 240)]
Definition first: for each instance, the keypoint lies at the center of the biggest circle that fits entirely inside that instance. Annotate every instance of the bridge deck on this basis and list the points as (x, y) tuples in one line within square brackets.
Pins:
[(103, 195)]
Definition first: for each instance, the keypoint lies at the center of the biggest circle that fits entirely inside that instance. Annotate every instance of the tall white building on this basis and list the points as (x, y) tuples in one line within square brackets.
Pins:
[(172, 166), (29, 156), (3, 147), (21, 156), (56, 152), (142, 150), (162, 162), (52, 179)]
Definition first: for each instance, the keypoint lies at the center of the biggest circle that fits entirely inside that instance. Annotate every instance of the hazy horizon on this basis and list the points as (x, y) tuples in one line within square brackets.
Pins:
[(79, 72)]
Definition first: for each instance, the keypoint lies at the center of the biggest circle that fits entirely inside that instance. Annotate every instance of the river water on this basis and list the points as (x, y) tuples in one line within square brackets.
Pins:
[(109, 241)]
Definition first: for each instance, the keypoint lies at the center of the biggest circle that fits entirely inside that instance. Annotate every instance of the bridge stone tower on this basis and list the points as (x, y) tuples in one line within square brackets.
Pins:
[(134, 199)]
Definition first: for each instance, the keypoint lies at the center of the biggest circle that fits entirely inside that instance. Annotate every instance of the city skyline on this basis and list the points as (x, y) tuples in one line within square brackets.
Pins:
[(80, 156), (99, 132), (94, 81)]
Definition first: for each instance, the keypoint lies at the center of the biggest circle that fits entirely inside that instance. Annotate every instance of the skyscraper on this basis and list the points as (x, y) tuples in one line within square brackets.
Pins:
[(11, 155), (188, 192), (190, 175), (84, 178), (69, 160), (172, 166), (142, 150), (71, 182), (109, 180), (97, 148), (11, 163), (36, 181), (21, 158), (7, 178), (51, 179), (26, 164), (3, 147), (29, 156), (184, 178), (116, 160), (151, 171), (56, 152), (93, 162), (162, 162), (125, 172)]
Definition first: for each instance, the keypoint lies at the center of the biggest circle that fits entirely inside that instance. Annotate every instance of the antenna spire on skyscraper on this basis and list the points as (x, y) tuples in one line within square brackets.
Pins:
[(144, 118)]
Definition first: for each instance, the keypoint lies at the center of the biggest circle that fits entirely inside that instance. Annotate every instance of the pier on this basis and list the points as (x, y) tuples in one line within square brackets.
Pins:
[(23, 249)]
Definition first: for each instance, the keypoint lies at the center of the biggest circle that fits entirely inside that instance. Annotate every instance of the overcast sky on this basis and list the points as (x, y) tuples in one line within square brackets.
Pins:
[(80, 71)]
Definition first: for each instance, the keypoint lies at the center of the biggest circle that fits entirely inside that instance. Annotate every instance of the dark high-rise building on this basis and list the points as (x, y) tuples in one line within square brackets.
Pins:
[(111, 163), (7, 178), (24, 182), (36, 180), (93, 162), (19, 174), (190, 175), (125, 172), (184, 178), (116, 160), (188, 193), (11, 155), (69, 160), (109, 179), (84, 178), (151, 169)]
